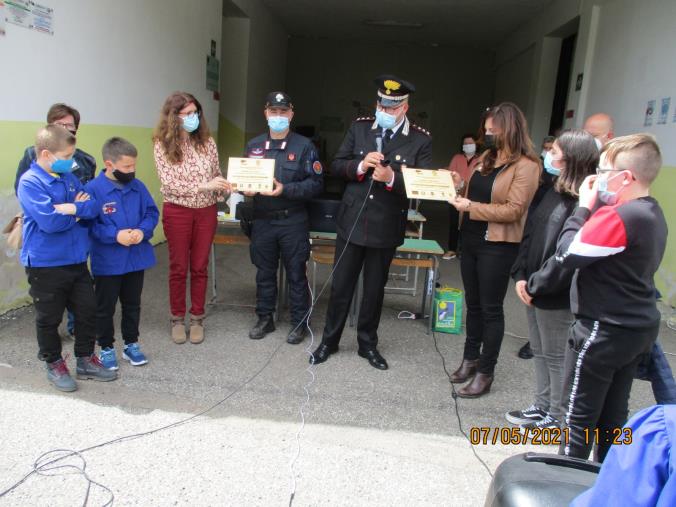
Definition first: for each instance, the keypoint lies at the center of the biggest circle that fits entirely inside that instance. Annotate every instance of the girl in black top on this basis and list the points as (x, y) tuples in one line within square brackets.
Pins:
[(493, 217), (542, 285)]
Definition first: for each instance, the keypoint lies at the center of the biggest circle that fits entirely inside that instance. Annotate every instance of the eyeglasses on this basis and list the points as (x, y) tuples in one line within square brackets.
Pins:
[(68, 126), (600, 170)]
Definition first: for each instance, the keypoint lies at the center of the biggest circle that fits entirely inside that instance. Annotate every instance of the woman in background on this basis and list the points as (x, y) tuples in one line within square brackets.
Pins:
[(461, 163)]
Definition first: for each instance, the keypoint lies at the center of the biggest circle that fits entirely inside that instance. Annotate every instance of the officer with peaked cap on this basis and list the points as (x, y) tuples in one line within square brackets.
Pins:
[(373, 213), (280, 225)]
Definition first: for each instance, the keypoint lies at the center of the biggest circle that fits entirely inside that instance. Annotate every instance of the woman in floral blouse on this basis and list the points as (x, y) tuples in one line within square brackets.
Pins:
[(191, 182)]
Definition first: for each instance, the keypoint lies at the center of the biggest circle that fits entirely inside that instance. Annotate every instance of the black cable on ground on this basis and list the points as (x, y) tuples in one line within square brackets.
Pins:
[(44, 463), (454, 395)]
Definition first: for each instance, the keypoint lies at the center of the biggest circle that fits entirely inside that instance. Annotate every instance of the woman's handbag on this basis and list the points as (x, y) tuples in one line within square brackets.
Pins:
[(14, 231)]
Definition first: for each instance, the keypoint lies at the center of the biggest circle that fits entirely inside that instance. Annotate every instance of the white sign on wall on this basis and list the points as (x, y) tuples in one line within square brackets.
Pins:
[(649, 113), (664, 111), (31, 15)]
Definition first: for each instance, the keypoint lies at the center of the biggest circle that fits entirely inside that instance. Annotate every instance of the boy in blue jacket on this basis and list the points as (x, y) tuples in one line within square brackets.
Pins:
[(120, 249), (54, 252)]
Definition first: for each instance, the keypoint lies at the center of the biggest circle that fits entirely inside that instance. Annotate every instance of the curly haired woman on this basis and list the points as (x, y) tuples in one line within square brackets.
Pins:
[(191, 182)]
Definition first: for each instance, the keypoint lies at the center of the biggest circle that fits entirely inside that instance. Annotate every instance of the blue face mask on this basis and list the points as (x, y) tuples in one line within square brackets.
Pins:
[(278, 123), (548, 165), (606, 196), (191, 122), (62, 166), (386, 120)]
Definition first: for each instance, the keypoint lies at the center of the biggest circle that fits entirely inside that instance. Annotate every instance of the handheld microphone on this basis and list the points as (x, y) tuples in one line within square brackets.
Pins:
[(379, 148)]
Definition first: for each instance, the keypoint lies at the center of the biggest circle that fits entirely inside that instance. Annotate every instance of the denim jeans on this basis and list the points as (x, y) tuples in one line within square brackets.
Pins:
[(655, 369)]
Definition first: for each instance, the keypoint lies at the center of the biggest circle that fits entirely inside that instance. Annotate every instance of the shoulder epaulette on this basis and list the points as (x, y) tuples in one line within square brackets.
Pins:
[(366, 118), (420, 129)]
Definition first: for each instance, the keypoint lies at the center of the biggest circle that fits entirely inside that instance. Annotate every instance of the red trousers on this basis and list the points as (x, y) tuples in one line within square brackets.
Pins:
[(190, 233)]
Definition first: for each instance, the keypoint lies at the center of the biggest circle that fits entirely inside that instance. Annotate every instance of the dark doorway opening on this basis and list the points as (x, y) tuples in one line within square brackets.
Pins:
[(562, 83)]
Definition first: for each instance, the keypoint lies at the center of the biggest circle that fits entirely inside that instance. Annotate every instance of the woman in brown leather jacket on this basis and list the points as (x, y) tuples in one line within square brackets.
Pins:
[(493, 206)]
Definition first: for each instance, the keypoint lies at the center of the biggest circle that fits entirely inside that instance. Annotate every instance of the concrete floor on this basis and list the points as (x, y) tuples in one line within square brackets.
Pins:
[(371, 437)]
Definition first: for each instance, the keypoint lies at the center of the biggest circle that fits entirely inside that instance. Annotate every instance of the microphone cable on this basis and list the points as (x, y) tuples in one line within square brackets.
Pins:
[(49, 460), (311, 368)]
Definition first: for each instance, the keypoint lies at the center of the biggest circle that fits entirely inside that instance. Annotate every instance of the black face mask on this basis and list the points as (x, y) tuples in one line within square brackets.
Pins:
[(489, 141), (123, 177)]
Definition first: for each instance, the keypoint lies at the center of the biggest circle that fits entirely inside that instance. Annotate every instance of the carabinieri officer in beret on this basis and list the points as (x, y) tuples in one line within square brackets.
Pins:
[(280, 225), (372, 217)]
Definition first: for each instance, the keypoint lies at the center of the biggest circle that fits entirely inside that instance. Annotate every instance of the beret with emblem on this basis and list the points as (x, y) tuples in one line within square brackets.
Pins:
[(278, 99), (392, 91)]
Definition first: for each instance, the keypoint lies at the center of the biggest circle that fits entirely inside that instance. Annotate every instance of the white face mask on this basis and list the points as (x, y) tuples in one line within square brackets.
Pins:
[(469, 149), (543, 153), (598, 142)]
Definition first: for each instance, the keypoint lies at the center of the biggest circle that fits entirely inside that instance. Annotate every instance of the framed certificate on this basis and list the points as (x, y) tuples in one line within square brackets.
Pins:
[(251, 174), (428, 184)]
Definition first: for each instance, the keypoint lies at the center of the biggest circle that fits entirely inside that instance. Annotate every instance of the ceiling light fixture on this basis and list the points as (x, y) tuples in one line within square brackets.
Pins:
[(391, 23)]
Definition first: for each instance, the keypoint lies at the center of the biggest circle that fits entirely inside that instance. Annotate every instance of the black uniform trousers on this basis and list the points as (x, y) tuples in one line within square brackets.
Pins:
[(127, 288), (599, 369), (54, 289), (292, 243), (348, 262)]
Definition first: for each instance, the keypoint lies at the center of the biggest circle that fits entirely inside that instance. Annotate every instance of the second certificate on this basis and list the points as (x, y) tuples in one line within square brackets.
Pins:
[(428, 184)]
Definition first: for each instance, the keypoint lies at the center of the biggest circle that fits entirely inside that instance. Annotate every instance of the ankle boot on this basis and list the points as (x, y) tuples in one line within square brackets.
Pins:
[(178, 329), (265, 325), (480, 385), (196, 329), (466, 370)]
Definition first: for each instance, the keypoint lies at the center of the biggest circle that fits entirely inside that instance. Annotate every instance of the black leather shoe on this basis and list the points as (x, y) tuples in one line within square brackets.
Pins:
[(526, 352), (322, 353), (297, 334), (374, 358), (264, 326)]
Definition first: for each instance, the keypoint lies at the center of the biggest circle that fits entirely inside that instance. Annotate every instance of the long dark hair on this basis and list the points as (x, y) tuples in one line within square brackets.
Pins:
[(581, 157), (168, 130), (513, 139)]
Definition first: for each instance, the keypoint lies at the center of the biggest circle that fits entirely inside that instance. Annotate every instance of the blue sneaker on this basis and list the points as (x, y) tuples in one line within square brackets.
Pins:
[(133, 354), (108, 358)]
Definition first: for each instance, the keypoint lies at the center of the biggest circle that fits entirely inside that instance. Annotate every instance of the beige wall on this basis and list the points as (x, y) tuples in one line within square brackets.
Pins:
[(513, 76), (625, 50)]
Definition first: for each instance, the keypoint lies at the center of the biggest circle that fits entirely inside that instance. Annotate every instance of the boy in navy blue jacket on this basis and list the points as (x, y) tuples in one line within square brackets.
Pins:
[(54, 252), (120, 249)]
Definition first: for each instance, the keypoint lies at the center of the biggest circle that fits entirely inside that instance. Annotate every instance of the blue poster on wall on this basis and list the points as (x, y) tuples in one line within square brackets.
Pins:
[(649, 112), (664, 111)]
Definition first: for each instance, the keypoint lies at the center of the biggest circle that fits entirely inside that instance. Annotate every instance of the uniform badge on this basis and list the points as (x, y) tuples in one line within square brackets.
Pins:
[(256, 153), (398, 157), (391, 86), (109, 208), (317, 167), (291, 157)]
